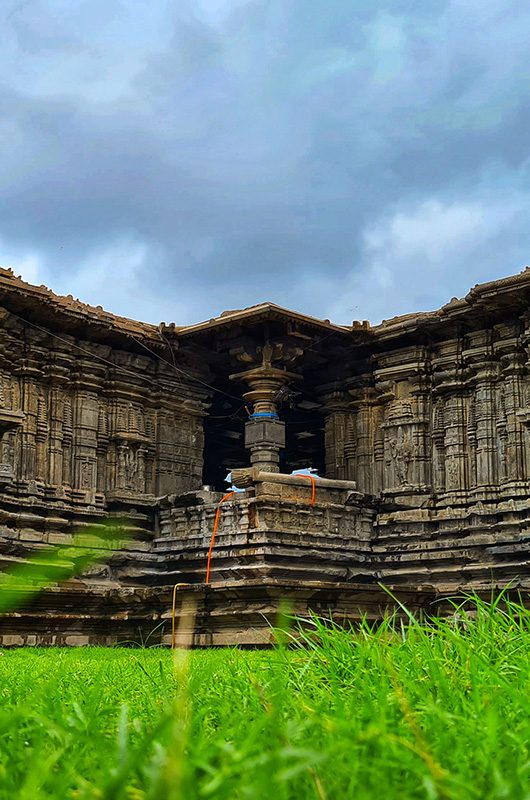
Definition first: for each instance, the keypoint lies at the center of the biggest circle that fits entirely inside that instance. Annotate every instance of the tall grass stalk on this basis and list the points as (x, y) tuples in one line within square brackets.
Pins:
[(438, 709)]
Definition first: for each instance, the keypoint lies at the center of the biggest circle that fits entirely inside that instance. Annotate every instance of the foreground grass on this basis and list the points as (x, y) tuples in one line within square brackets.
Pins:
[(437, 711)]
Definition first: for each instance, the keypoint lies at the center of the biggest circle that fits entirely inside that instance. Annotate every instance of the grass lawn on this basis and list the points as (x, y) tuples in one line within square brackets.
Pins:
[(439, 711)]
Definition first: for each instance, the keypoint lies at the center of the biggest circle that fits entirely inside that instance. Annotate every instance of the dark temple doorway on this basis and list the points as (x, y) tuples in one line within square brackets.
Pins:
[(224, 437)]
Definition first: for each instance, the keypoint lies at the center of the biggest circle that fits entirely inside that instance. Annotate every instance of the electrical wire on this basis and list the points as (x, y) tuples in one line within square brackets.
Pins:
[(119, 368), (179, 369), (156, 355), (77, 346)]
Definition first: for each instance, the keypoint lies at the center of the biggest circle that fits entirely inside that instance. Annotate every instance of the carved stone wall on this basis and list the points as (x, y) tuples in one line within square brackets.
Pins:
[(428, 414), (87, 425), (449, 421)]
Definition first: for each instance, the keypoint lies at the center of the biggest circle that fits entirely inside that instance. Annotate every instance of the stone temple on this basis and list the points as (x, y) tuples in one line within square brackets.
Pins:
[(419, 429)]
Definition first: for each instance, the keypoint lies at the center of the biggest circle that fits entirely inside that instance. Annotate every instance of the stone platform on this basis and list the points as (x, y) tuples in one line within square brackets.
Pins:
[(242, 613), (279, 547)]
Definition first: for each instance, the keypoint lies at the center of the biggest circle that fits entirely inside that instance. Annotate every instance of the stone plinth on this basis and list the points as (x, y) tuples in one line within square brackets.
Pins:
[(245, 613), (271, 529)]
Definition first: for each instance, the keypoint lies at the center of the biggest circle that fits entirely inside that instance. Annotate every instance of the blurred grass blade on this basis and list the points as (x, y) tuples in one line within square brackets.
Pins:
[(54, 564)]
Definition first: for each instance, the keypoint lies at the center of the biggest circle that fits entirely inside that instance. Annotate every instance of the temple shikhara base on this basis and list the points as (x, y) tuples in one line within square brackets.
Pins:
[(418, 428)]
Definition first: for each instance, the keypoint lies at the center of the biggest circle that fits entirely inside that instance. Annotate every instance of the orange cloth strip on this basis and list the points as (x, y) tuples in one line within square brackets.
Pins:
[(313, 488), (215, 526)]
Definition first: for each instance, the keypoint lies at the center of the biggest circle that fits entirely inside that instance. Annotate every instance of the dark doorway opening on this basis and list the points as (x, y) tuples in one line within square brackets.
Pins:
[(224, 437), (224, 449)]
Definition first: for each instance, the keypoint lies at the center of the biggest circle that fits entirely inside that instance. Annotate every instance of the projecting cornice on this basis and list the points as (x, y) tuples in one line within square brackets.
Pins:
[(483, 300), (39, 305), (262, 313)]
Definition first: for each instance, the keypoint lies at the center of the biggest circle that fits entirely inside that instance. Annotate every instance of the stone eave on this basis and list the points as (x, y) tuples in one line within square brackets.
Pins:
[(40, 306), (484, 298), (262, 313)]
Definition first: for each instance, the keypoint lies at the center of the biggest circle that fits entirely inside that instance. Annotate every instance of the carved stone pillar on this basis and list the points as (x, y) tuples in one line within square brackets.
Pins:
[(265, 438), (340, 440), (264, 433), (85, 443), (102, 447), (485, 438), (450, 398), (421, 467), (56, 437), (87, 382), (41, 439), (28, 372), (509, 426), (454, 444), (364, 400), (68, 429), (57, 373), (438, 437), (10, 422)]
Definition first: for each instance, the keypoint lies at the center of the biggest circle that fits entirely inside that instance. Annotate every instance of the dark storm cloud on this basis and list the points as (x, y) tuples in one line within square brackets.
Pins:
[(346, 159)]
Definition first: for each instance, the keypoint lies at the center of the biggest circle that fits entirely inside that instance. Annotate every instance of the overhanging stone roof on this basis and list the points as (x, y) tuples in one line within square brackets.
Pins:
[(483, 298), (263, 312), (40, 304)]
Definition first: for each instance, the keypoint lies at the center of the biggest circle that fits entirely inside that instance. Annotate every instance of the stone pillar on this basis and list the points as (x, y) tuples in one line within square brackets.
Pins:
[(483, 376), (438, 454), (421, 467), (365, 401), (508, 423), (10, 421), (102, 447), (454, 445), (485, 425), (265, 438), (29, 409), (41, 438), (68, 430), (57, 373), (339, 436), (449, 431), (56, 437), (87, 382), (264, 433)]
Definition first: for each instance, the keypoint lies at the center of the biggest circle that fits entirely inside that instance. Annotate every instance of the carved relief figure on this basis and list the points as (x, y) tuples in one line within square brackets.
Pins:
[(400, 456), (453, 473), (131, 468), (86, 474), (502, 433), (121, 479)]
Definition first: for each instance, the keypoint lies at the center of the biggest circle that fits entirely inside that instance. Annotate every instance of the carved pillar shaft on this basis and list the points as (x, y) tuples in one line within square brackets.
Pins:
[(264, 433), (485, 427), (365, 443), (67, 441), (438, 436), (508, 423), (28, 463), (340, 441), (85, 440), (102, 447), (56, 436), (454, 444)]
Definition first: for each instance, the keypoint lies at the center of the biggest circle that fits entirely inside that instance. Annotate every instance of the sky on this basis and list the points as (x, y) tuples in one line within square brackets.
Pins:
[(349, 159)]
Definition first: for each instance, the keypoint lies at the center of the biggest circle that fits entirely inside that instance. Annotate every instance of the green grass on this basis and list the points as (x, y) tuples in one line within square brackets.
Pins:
[(440, 711)]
